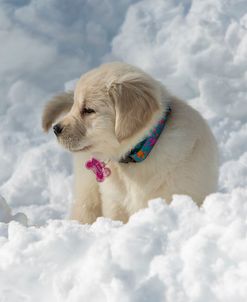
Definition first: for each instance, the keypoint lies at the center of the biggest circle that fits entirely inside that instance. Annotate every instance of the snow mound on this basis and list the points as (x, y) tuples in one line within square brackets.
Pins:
[(6, 216), (165, 253), (198, 48)]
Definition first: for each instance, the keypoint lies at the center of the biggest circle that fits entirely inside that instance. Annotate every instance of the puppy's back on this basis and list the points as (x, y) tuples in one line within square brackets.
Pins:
[(189, 152)]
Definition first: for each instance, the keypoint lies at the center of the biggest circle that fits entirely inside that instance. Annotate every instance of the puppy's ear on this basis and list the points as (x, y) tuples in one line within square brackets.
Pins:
[(135, 103), (61, 103)]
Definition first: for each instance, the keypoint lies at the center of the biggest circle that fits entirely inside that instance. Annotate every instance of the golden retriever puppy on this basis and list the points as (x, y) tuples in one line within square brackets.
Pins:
[(154, 144)]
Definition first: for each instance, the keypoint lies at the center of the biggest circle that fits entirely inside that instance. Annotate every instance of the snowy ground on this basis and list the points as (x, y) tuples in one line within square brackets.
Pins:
[(165, 253)]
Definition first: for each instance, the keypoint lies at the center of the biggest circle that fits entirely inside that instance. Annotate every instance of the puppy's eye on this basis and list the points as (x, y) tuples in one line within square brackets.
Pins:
[(87, 111)]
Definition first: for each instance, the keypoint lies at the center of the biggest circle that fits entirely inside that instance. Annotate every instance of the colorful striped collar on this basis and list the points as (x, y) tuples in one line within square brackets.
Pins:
[(141, 151)]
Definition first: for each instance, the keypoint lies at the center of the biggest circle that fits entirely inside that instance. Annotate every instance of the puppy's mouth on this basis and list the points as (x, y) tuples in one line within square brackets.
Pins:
[(72, 146), (86, 148)]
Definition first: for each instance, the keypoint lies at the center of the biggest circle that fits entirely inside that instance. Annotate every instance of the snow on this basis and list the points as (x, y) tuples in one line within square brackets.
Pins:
[(6, 215), (164, 253)]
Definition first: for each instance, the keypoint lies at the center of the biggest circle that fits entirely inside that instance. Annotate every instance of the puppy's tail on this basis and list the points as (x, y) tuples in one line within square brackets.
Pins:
[(58, 105)]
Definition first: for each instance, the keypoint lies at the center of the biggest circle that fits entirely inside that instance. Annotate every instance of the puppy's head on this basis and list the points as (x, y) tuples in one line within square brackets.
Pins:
[(112, 104)]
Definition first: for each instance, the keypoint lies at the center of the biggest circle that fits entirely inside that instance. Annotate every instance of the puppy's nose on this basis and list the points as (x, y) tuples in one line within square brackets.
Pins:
[(57, 129)]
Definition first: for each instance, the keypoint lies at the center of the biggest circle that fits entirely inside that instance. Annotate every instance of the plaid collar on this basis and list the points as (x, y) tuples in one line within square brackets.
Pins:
[(141, 151)]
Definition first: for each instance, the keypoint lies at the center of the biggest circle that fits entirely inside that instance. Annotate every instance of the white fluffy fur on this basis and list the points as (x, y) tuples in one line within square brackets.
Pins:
[(183, 161)]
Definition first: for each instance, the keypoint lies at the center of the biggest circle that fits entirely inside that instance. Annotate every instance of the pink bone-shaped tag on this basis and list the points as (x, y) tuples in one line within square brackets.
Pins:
[(99, 169)]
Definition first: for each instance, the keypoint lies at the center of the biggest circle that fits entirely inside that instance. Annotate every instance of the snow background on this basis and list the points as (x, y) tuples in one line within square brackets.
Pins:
[(198, 49)]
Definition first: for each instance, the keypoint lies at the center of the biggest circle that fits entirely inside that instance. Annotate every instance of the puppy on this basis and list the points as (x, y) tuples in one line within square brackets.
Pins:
[(116, 112)]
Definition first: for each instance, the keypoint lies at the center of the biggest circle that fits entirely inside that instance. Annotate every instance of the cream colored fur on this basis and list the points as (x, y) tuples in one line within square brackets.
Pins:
[(127, 104)]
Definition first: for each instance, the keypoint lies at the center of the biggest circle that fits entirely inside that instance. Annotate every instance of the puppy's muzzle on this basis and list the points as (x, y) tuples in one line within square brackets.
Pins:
[(57, 129)]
